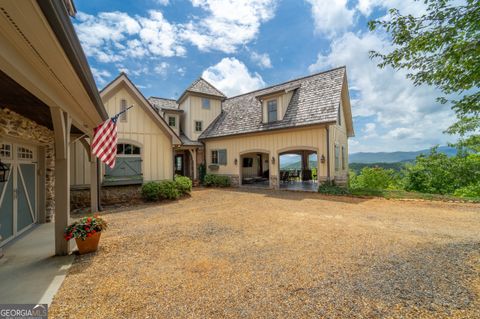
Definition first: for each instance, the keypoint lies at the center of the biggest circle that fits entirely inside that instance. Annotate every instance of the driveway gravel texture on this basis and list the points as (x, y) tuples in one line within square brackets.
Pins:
[(233, 253)]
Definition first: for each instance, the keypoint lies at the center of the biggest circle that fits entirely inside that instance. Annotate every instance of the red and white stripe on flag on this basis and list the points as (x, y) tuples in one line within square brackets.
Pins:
[(104, 145)]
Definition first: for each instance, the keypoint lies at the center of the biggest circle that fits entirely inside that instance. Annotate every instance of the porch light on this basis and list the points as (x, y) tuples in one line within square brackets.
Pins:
[(235, 161), (273, 160), (3, 172), (322, 159)]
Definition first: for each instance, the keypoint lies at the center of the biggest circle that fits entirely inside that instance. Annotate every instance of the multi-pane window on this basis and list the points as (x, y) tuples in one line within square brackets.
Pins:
[(206, 104), (344, 159), (123, 107), (337, 158), (219, 157), (127, 149), (172, 121), (24, 153), (198, 126), (272, 110), (339, 115), (6, 150)]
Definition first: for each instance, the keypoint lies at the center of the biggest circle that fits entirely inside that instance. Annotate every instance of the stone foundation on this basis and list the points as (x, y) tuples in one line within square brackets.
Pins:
[(110, 196), (16, 126), (274, 182), (235, 180)]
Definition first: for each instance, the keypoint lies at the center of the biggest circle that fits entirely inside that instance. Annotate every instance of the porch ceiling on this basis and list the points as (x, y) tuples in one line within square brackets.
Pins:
[(16, 98)]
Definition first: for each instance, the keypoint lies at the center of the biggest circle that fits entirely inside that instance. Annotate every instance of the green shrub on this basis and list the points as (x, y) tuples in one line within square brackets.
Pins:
[(332, 189), (168, 190), (470, 191), (184, 184), (374, 178), (217, 180), (151, 191)]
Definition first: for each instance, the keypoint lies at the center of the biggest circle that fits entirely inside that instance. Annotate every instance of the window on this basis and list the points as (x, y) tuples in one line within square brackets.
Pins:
[(127, 149), (24, 153), (172, 121), (337, 158), (247, 162), (198, 126), (219, 157), (6, 150), (123, 107), (205, 104), (344, 159), (272, 110)]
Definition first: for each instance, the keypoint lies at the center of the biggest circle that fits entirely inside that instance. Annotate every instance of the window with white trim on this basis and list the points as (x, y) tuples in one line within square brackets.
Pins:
[(337, 158), (127, 149), (6, 150), (272, 111), (219, 157), (172, 121), (24, 153), (123, 107), (198, 126)]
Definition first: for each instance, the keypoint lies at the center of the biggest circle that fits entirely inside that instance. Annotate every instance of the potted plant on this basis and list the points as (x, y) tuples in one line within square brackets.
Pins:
[(86, 232)]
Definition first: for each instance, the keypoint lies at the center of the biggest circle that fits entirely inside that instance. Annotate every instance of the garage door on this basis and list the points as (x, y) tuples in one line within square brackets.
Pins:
[(18, 195)]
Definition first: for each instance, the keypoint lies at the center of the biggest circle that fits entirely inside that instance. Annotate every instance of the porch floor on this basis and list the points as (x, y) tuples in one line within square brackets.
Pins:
[(29, 271), (306, 186)]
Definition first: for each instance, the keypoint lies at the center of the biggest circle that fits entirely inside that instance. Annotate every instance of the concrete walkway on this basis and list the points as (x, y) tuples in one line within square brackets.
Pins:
[(29, 271)]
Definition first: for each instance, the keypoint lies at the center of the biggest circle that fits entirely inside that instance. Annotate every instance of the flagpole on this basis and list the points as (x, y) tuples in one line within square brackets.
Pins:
[(121, 112)]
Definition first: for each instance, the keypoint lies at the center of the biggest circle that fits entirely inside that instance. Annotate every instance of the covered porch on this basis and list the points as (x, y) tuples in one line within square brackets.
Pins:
[(299, 170), (48, 99), (187, 158)]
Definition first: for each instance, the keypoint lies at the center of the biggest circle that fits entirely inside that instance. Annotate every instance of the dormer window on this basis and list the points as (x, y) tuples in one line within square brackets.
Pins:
[(172, 121), (205, 104), (272, 111)]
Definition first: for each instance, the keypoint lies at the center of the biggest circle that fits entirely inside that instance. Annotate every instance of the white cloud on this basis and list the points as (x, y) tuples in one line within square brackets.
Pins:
[(116, 36), (366, 7), (229, 24), (100, 75), (232, 77), (261, 59), (162, 69), (370, 130), (331, 17), (401, 110), (163, 2), (182, 70)]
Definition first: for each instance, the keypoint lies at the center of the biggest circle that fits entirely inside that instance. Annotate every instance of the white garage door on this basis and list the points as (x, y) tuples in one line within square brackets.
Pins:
[(18, 195)]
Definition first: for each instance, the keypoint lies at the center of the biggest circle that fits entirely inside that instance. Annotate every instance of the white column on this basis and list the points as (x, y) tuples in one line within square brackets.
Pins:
[(61, 125)]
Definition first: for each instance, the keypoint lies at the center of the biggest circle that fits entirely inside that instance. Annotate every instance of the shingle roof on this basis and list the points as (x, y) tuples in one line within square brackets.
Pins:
[(163, 103), (188, 142), (200, 85), (315, 100)]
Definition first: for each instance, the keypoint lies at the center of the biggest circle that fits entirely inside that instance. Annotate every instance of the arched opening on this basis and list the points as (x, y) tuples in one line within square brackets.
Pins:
[(298, 170), (255, 169)]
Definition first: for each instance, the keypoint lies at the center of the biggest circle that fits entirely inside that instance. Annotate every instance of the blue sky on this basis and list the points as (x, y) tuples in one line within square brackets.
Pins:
[(243, 45)]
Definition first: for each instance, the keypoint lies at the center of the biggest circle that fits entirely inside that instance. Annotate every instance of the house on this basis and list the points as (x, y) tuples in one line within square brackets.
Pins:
[(245, 137), (48, 99)]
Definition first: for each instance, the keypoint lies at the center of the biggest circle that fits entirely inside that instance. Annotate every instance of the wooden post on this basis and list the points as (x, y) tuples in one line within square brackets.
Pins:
[(61, 125), (93, 175)]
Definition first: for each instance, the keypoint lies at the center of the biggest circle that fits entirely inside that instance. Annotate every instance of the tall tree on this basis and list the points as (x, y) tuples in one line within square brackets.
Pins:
[(441, 48)]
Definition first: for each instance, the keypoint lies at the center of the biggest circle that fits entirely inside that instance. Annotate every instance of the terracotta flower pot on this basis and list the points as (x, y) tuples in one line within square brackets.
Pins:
[(89, 245)]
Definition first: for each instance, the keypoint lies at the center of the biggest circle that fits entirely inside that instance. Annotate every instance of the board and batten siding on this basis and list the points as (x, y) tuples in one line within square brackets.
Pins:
[(193, 111), (339, 137), (139, 129), (272, 142)]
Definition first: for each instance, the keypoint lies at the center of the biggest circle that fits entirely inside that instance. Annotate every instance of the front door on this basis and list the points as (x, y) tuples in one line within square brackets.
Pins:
[(179, 165), (18, 195)]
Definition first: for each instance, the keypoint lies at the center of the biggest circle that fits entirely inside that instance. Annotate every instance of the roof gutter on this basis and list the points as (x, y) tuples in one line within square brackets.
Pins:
[(59, 20)]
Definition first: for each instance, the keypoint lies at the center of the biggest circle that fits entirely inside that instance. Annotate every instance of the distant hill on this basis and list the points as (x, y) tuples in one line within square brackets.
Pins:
[(393, 157), (296, 165), (397, 166)]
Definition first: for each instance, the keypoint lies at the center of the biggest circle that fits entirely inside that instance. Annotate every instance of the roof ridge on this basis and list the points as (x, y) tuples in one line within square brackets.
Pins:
[(163, 98), (289, 81)]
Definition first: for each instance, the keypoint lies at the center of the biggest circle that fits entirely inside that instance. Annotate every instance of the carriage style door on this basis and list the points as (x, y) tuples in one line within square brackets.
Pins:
[(18, 195)]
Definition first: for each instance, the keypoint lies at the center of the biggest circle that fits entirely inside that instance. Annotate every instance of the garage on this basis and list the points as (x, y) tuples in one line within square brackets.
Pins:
[(18, 194)]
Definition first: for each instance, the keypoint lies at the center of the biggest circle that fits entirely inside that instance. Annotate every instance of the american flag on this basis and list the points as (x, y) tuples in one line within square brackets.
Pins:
[(104, 145)]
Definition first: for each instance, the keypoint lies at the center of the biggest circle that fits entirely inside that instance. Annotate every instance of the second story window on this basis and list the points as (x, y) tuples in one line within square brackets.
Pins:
[(198, 126), (272, 110), (172, 121), (205, 104), (123, 107)]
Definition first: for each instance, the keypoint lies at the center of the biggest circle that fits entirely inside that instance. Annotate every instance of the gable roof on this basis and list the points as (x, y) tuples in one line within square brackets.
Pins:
[(161, 103), (202, 86), (160, 121), (315, 100)]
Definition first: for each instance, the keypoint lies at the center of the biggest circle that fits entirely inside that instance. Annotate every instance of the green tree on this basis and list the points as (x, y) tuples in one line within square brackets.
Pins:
[(441, 48)]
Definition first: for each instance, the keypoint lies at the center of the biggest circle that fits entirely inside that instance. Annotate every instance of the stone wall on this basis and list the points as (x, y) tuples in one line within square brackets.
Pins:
[(17, 126), (110, 196)]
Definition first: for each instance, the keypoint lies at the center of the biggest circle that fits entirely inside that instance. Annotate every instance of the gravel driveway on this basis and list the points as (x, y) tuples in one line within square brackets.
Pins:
[(275, 254)]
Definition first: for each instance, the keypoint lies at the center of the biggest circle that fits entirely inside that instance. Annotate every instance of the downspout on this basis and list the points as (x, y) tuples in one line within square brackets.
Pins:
[(328, 153)]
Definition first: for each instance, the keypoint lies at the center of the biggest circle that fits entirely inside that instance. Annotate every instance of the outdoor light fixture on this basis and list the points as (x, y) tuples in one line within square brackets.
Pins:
[(235, 161), (273, 160), (322, 159), (3, 172)]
